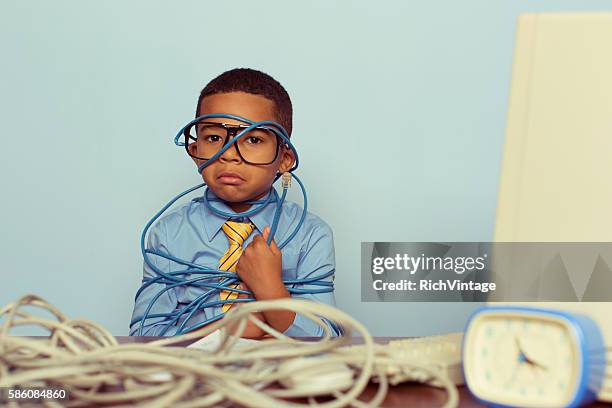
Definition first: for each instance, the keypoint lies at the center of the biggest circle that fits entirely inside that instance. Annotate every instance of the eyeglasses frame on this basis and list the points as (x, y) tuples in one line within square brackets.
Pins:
[(231, 128), (274, 126)]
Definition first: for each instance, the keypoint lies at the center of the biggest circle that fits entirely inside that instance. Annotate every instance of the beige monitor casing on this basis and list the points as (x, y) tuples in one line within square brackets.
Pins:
[(556, 175)]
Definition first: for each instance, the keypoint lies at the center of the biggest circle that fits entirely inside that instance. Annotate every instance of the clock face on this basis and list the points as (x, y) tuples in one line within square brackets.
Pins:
[(522, 359)]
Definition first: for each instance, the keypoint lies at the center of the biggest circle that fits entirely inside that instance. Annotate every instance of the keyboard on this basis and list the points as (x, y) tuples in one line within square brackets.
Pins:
[(442, 353)]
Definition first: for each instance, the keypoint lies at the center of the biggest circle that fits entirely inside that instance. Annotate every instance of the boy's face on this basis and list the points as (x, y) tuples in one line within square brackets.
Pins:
[(249, 181)]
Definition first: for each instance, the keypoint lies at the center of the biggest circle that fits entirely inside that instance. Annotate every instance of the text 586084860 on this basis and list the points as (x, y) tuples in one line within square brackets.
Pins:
[(16, 394)]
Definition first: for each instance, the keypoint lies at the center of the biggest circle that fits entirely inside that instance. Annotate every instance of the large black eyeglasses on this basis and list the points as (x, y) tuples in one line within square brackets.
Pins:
[(258, 146)]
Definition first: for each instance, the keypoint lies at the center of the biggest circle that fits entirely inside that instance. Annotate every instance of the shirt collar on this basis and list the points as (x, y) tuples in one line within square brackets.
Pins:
[(213, 221)]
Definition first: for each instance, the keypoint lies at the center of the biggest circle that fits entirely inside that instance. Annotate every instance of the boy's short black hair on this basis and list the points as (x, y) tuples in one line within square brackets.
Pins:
[(254, 82)]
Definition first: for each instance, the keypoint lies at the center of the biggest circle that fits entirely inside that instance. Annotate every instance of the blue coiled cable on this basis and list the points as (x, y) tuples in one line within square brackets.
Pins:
[(221, 279)]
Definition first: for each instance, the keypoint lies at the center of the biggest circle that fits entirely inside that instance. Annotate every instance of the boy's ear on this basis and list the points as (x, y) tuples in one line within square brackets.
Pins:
[(193, 152), (287, 159)]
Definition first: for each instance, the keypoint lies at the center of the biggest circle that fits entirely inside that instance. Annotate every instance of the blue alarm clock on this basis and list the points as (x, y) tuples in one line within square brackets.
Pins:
[(530, 357)]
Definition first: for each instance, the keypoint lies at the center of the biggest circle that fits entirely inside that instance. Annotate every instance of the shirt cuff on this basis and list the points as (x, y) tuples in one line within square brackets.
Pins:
[(304, 327)]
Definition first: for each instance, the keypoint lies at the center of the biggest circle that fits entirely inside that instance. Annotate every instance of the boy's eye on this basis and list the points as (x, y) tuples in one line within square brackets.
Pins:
[(254, 140), (212, 138)]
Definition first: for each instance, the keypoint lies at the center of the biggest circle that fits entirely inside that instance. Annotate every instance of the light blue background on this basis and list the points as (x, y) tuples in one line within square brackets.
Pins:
[(399, 118)]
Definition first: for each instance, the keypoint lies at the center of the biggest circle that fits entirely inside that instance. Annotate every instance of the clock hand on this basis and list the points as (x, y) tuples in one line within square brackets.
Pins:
[(536, 364), (524, 358), (521, 355)]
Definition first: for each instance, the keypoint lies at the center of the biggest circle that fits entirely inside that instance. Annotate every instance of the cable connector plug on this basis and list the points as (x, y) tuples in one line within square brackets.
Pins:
[(286, 180)]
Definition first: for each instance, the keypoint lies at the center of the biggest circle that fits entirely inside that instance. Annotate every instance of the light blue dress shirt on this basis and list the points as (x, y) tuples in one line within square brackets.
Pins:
[(193, 232)]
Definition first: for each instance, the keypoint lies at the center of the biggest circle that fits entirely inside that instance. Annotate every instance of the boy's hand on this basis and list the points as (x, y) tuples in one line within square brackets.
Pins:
[(260, 265), (260, 268)]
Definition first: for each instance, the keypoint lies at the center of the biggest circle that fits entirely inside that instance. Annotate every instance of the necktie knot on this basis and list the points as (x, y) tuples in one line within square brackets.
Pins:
[(237, 232)]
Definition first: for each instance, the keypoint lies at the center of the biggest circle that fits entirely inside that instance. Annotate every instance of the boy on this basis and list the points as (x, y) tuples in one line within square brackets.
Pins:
[(193, 232)]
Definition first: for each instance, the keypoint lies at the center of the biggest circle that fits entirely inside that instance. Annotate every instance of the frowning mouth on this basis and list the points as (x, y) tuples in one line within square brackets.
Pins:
[(228, 177)]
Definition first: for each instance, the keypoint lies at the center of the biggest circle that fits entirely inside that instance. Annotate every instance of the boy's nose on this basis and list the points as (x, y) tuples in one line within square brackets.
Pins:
[(231, 154)]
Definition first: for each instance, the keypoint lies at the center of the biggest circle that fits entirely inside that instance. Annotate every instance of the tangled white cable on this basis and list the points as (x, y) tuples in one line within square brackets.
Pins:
[(86, 360)]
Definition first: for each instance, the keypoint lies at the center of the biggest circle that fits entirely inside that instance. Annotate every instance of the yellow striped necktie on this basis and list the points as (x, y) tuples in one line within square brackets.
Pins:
[(237, 233)]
